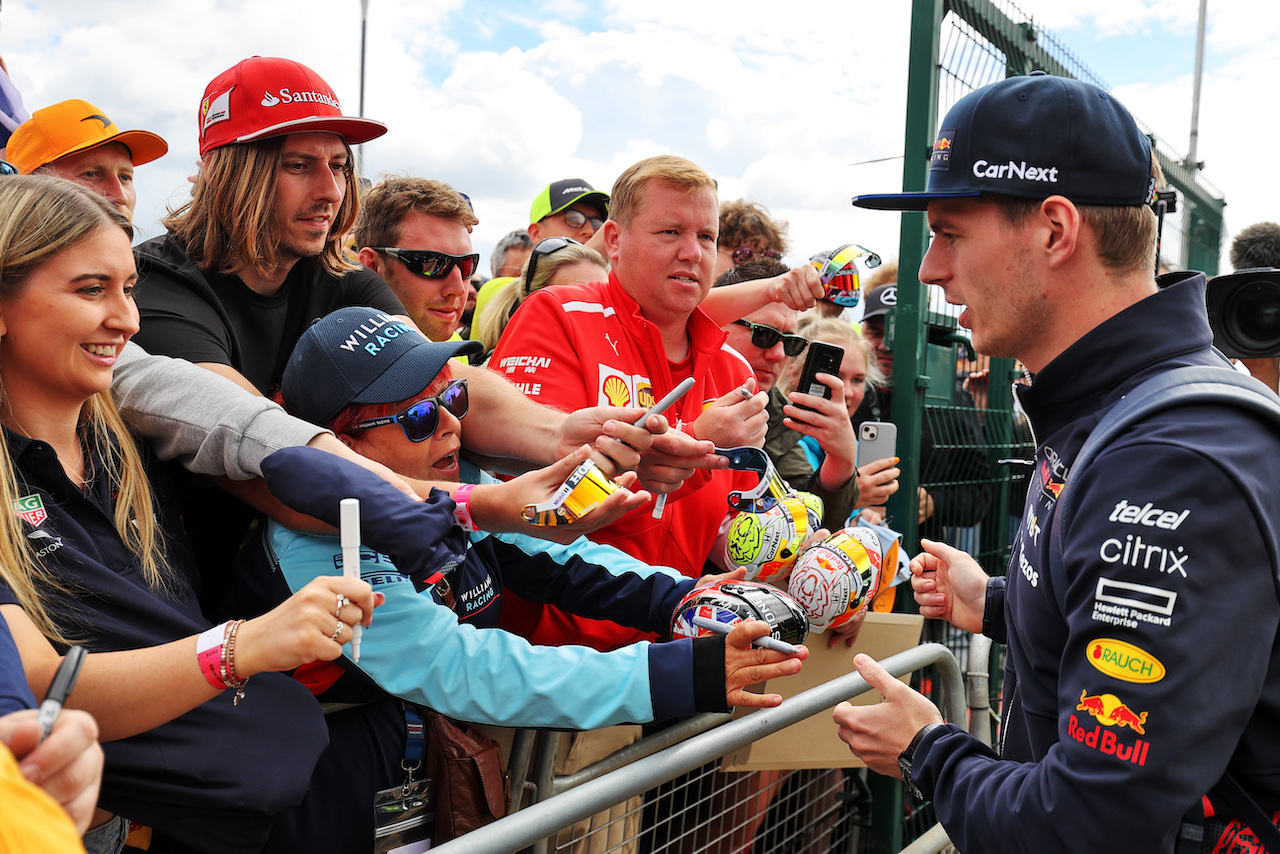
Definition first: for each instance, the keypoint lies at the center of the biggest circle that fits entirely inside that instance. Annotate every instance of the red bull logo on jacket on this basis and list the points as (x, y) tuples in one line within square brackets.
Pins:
[(1110, 712)]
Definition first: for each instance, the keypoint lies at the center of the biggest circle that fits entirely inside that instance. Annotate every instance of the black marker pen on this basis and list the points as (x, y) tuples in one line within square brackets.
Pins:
[(63, 681)]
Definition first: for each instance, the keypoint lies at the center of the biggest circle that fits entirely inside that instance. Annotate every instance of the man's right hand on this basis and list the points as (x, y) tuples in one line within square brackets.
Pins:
[(67, 764), (746, 665), (949, 585), (736, 419), (673, 458), (617, 442)]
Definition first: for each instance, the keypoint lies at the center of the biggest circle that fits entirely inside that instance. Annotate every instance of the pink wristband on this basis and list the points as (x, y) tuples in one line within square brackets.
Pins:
[(461, 509), (209, 655)]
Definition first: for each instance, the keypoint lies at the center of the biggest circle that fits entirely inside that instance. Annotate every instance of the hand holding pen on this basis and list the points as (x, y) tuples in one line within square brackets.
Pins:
[(766, 642), (745, 666), (64, 757), (60, 689), (349, 533), (657, 409)]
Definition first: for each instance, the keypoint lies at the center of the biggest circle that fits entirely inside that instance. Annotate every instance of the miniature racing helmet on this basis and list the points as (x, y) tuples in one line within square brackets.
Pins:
[(835, 580), (766, 542), (731, 602)]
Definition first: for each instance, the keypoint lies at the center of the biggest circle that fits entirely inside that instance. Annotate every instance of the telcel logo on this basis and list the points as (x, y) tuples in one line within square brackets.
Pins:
[(1124, 661), (1148, 515)]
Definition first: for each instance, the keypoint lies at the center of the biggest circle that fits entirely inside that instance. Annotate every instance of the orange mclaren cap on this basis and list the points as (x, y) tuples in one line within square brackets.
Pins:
[(72, 126)]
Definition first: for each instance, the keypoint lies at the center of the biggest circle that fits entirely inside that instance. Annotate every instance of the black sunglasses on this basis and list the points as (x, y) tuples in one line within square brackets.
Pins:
[(7, 168), (577, 219), (430, 264), (550, 246), (421, 419), (765, 337)]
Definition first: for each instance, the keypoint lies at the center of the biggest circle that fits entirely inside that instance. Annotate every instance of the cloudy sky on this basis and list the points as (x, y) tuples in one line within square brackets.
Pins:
[(784, 103)]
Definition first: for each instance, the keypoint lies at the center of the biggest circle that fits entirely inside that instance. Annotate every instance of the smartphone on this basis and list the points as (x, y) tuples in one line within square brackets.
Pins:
[(877, 440), (822, 359)]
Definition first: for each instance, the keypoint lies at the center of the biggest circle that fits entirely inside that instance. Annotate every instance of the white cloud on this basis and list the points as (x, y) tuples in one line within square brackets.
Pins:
[(779, 107)]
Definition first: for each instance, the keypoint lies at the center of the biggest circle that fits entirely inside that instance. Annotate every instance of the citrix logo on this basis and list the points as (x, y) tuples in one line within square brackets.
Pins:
[(1134, 552)]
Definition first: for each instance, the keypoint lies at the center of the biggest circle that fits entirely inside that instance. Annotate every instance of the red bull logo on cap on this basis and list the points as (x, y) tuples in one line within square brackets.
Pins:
[(941, 158)]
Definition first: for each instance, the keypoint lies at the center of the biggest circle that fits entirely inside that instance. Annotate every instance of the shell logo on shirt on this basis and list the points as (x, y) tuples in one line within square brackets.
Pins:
[(615, 392)]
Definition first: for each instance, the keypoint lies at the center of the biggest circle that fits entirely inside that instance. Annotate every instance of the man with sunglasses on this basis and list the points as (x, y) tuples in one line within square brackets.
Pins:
[(416, 234), (569, 208)]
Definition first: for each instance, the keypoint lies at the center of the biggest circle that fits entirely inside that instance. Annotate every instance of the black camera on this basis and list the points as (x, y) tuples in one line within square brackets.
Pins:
[(1244, 311)]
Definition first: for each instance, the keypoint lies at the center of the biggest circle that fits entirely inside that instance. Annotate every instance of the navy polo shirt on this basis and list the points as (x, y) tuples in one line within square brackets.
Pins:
[(215, 777)]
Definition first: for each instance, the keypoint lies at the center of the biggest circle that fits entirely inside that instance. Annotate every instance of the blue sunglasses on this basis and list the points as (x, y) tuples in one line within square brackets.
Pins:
[(420, 420)]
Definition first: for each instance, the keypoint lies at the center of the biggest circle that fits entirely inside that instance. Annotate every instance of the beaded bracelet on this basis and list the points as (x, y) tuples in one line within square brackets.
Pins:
[(232, 679), (462, 509)]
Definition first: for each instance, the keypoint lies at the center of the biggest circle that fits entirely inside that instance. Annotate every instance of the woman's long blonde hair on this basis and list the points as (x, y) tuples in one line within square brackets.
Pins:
[(41, 217)]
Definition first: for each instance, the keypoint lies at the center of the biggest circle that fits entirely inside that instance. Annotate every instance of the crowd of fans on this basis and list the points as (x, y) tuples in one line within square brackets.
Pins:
[(174, 524), (177, 523)]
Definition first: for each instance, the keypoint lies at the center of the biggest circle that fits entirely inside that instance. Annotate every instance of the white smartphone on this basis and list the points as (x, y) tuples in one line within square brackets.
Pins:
[(877, 440)]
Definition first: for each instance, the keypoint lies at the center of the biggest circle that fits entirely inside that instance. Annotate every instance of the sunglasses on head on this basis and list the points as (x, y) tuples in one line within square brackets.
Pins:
[(743, 253), (430, 264), (420, 420), (765, 337), (577, 219), (7, 168), (550, 246)]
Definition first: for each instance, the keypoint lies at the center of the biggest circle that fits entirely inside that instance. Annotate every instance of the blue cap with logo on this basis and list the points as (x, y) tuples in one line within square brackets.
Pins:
[(361, 355), (1033, 137)]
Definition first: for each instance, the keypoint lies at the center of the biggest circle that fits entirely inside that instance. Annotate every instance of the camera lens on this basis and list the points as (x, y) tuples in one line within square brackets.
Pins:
[(1253, 315)]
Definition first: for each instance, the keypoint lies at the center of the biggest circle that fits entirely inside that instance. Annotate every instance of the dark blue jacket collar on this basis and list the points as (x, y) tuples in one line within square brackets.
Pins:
[(1120, 352)]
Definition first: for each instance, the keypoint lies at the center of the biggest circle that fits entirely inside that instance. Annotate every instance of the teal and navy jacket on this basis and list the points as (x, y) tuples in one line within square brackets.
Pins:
[(435, 641)]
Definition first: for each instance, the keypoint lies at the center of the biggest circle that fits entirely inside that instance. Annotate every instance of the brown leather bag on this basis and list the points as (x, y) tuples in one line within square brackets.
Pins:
[(469, 780)]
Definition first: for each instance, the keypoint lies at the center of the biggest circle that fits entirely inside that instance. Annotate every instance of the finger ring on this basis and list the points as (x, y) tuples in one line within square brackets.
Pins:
[(342, 600), (338, 630)]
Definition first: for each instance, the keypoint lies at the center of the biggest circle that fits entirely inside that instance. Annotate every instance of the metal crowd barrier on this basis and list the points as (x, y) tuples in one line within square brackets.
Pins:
[(638, 768)]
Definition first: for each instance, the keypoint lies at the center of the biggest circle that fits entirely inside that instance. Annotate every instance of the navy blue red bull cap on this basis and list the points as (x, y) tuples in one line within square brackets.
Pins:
[(1033, 137)]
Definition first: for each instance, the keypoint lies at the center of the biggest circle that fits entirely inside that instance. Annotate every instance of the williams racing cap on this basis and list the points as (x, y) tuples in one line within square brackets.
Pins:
[(361, 355), (1033, 137), (558, 195), (71, 126), (265, 96)]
